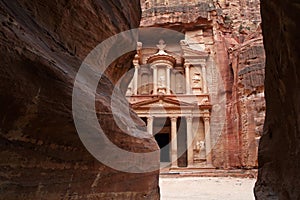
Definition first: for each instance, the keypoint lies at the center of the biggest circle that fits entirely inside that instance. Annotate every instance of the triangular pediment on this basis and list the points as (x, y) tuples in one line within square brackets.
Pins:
[(161, 102)]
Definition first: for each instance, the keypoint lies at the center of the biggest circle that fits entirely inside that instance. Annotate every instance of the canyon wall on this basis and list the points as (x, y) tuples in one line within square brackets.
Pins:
[(231, 33), (279, 158), (243, 69), (42, 45)]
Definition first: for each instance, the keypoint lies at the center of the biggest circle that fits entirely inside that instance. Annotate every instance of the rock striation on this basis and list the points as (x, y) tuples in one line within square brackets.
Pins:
[(279, 158), (43, 44)]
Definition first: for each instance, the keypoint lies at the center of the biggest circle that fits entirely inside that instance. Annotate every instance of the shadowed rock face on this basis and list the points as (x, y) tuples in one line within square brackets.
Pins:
[(279, 158), (42, 45)]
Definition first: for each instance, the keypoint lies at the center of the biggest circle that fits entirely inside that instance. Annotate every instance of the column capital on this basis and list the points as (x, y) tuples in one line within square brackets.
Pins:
[(202, 63), (136, 60), (173, 119), (187, 65), (153, 66), (206, 118), (189, 118), (136, 65), (150, 117)]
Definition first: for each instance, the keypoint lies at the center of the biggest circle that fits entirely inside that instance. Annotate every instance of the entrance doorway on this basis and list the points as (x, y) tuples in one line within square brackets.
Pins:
[(181, 142), (162, 141), (162, 134)]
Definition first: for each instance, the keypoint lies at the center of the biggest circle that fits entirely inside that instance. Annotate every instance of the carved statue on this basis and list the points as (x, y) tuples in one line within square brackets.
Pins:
[(145, 81), (161, 81), (202, 149), (161, 47), (179, 83), (196, 80), (202, 145), (179, 88)]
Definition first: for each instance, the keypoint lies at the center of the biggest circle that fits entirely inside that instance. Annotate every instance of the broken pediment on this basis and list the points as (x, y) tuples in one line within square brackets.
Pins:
[(191, 52)]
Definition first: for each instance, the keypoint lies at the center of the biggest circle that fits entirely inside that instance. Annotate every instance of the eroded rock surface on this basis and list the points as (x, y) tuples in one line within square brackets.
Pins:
[(279, 158), (42, 45)]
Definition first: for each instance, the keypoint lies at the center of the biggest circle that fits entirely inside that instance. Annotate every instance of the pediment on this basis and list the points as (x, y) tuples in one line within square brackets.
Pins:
[(161, 102), (193, 53)]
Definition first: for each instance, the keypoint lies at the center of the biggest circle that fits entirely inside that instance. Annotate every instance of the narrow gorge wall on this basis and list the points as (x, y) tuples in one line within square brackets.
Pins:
[(240, 58), (279, 158), (42, 45)]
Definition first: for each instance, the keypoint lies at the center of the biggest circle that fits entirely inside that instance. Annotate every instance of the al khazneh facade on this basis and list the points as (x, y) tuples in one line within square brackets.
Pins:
[(203, 88)]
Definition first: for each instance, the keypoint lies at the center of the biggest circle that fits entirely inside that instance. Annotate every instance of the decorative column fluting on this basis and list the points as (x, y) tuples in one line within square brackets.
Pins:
[(207, 141), (154, 79), (204, 79), (189, 132), (135, 77), (187, 78), (150, 124), (168, 80), (174, 142)]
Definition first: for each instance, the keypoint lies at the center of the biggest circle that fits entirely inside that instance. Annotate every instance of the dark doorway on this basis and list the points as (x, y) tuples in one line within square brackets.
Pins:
[(162, 131), (163, 140), (181, 142)]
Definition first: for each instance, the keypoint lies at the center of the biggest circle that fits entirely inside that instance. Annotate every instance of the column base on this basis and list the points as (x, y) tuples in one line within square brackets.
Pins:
[(197, 91), (210, 166), (174, 167)]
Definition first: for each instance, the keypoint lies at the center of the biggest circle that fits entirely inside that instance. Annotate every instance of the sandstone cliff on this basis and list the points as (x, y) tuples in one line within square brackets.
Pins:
[(42, 45), (242, 68), (231, 32)]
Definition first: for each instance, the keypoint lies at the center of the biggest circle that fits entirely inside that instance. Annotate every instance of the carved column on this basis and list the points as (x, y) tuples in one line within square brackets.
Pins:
[(154, 79), (204, 79), (189, 132), (174, 142), (168, 81), (187, 78), (207, 141), (135, 78), (150, 124)]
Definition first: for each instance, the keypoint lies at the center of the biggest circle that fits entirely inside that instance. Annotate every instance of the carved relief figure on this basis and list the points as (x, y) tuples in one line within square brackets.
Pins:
[(161, 81), (161, 47), (145, 81), (196, 80), (201, 149), (179, 82)]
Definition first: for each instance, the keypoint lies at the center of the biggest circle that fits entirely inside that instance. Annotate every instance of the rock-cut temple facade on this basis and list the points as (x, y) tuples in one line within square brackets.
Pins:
[(170, 92), (199, 89)]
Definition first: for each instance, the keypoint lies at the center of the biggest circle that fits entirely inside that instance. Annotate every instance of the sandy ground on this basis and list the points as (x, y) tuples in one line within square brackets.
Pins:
[(192, 188)]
